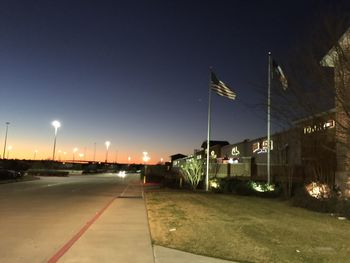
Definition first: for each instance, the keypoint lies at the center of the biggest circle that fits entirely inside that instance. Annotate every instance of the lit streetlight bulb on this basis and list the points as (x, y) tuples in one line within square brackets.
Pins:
[(107, 143), (56, 125)]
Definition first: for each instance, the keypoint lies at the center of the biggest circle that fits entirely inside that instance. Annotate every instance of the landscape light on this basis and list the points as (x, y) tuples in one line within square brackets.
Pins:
[(262, 187), (318, 190)]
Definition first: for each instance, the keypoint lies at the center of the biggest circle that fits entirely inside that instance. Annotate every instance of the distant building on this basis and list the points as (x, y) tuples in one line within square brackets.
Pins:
[(175, 157)]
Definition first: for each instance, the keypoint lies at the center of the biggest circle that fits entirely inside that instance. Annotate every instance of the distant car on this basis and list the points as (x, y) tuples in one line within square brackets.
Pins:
[(121, 174), (9, 174)]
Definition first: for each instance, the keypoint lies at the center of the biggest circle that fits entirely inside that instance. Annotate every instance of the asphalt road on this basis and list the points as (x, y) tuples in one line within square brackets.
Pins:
[(38, 217)]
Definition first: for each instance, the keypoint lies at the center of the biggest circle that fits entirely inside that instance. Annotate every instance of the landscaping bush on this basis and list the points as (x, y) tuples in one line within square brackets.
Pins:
[(171, 182), (15, 165), (9, 174), (243, 188), (248, 188), (324, 205), (228, 185), (154, 178)]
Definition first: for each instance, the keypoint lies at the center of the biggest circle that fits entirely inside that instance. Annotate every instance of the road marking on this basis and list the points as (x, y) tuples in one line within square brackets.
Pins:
[(78, 235), (126, 188)]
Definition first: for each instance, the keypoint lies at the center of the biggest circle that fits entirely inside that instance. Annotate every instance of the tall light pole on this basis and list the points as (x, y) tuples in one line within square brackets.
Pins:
[(145, 159), (94, 151), (8, 151), (35, 152), (74, 151), (107, 143), (56, 125), (7, 127)]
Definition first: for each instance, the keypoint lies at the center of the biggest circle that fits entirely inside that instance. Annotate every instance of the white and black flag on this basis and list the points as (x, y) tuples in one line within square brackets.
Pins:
[(221, 88)]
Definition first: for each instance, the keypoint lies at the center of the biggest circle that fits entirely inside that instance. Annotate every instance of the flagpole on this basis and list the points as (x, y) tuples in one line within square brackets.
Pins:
[(208, 135), (269, 120)]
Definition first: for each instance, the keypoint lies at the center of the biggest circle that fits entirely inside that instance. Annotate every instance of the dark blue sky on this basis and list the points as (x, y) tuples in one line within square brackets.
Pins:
[(136, 72)]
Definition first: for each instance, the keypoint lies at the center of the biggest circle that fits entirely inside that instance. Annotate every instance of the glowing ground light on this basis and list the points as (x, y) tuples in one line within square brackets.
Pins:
[(262, 187), (214, 184), (318, 190)]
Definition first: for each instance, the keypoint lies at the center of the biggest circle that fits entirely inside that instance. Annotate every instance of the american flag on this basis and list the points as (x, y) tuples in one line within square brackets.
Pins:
[(221, 88)]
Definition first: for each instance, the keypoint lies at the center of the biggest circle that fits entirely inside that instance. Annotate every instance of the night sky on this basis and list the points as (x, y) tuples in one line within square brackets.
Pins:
[(136, 72)]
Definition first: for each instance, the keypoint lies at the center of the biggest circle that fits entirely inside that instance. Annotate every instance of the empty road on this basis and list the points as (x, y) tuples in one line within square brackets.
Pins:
[(38, 217)]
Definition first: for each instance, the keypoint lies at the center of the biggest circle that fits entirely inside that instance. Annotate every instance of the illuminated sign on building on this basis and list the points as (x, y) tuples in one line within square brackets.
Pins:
[(265, 144), (256, 147), (319, 127), (213, 155), (235, 151), (261, 147)]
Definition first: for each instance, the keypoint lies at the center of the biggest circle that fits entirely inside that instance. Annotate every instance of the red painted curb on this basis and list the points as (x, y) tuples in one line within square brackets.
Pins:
[(76, 237)]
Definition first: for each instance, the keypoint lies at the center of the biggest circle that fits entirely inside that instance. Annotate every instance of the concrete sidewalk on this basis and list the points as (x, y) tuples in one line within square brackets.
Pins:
[(121, 234)]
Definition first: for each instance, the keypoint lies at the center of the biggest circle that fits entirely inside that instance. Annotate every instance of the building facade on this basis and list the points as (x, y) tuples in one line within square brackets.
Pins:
[(304, 153), (338, 58)]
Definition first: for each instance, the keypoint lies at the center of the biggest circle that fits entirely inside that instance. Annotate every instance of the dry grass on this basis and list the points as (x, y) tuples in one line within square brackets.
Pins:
[(245, 229)]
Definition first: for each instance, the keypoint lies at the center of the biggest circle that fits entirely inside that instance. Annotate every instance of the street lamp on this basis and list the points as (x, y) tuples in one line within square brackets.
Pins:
[(94, 151), (145, 157), (35, 152), (107, 143), (56, 125), (8, 151), (7, 127), (74, 151)]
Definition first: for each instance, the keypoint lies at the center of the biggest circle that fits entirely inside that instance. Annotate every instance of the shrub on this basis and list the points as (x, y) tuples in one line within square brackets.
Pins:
[(231, 185), (192, 172), (324, 205), (244, 188)]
